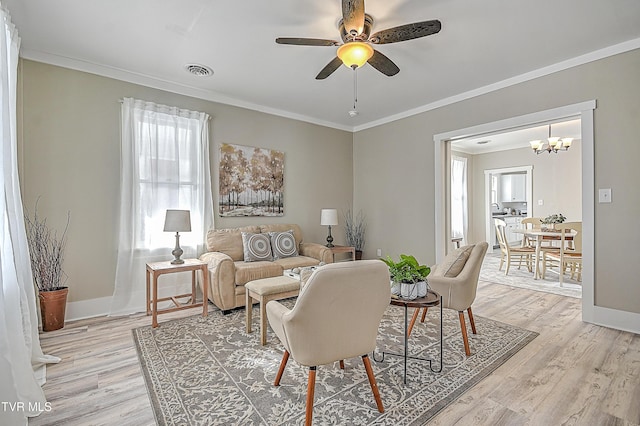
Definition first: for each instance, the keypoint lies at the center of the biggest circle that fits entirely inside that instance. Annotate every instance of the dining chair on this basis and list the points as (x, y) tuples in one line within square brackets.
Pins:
[(530, 223), (569, 255), (507, 252), (335, 317)]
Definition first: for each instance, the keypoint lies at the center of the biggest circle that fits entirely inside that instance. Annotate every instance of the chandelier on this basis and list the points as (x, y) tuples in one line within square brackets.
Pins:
[(552, 144)]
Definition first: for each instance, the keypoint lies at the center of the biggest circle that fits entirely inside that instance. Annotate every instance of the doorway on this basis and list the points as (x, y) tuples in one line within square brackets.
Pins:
[(442, 148), (491, 176)]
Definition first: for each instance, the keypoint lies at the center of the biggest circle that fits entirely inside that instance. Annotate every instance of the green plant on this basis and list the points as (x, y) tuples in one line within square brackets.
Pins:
[(46, 250), (354, 228), (407, 270), (554, 218)]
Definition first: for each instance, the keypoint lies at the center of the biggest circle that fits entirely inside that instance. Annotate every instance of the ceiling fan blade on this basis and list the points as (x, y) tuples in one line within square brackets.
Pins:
[(329, 69), (353, 15), (406, 32), (383, 64), (306, 41)]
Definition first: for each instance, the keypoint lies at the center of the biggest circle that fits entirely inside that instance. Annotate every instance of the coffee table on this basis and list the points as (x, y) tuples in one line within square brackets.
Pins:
[(431, 299)]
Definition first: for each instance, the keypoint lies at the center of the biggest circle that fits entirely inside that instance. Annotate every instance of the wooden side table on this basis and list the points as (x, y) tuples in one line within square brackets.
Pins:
[(343, 249), (154, 270)]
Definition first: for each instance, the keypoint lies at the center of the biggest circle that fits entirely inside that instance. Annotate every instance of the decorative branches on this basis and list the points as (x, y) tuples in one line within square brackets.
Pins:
[(354, 229), (46, 251)]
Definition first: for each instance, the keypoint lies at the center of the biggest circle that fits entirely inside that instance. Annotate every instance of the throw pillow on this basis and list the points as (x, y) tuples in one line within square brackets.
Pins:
[(256, 247), (453, 264), (283, 244)]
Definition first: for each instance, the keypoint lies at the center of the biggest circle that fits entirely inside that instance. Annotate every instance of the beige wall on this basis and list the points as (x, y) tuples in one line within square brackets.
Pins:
[(394, 167), (69, 127), (556, 179)]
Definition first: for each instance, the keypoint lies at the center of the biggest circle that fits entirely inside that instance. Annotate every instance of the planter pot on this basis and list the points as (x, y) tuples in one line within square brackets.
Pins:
[(422, 288), (408, 291), (395, 288), (358, 254), (52, 307)]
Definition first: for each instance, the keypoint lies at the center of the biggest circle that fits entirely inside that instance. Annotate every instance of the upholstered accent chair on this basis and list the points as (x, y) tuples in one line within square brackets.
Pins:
[(456, 282), (509, 253), (336, 316)]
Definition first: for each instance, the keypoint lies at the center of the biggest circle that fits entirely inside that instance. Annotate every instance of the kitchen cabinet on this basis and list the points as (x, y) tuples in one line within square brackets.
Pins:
[(513, 222), (513, 188)]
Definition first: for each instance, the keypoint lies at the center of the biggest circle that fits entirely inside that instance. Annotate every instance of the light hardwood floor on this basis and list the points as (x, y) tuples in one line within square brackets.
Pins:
[(573, 373)]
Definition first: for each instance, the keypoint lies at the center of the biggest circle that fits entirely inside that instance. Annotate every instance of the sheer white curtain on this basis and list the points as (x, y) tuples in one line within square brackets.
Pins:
[(22, 363), (164, 165), (459, 201)]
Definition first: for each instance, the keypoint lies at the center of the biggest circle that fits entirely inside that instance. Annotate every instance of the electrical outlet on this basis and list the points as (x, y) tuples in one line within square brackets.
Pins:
[(379, 252), (541, 202)]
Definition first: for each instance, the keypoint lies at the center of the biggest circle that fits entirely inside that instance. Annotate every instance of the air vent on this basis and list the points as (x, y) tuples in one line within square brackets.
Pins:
[(199, 70), (482, 142)]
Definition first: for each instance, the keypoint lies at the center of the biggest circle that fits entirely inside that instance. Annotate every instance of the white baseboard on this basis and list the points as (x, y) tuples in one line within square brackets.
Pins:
[(88, 308), (612, 318)]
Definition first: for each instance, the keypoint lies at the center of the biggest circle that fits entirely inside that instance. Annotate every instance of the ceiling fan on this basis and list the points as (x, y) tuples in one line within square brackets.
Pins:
[(355, 31)]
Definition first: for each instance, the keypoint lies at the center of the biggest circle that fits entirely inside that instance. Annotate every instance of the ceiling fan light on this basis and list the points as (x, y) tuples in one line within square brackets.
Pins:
[(355, 54)]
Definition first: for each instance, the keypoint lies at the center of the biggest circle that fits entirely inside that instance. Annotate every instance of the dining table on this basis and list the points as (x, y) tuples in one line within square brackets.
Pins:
[(539, 235)]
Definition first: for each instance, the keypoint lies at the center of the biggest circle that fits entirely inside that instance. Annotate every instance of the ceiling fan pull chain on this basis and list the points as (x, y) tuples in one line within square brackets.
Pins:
[(355, 88)]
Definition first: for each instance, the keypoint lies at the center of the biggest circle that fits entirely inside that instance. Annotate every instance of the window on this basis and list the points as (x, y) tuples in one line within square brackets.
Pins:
[(459, 208), (164, 165), (168, 159)]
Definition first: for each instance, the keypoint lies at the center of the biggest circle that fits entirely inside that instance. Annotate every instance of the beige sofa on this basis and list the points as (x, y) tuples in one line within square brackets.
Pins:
[(228, 272)]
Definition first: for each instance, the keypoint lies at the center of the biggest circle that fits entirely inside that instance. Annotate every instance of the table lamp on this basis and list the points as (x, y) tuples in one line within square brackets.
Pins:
[(329, 217), (177, 221)]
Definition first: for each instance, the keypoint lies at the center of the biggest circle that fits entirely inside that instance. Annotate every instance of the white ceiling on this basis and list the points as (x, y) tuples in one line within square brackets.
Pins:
[(483, 45), (518, 138)]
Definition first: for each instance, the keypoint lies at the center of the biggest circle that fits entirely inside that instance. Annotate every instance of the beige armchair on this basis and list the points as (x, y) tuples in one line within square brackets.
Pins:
[(457, 287), (336, 316)]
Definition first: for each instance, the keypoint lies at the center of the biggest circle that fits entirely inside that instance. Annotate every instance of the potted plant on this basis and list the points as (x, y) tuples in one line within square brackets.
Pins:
[(552, 220), (46, 250), (355, 227), (408, 277)]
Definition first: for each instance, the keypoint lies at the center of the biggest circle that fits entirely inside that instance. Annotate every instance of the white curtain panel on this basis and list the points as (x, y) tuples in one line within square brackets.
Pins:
[(22, 363), (459, 202), (164, 165)]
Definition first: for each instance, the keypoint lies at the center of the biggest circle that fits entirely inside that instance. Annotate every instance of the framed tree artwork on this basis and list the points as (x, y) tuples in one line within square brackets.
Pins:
[(251, 181)]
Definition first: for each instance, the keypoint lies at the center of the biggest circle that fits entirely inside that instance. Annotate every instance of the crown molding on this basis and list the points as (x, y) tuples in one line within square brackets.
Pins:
[(210, 95), (540, 72), (168, 86)]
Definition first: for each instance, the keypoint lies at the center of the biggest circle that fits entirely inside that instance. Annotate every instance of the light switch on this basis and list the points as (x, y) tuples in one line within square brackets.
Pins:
[(604, 195), (379, 252), (540, 202)]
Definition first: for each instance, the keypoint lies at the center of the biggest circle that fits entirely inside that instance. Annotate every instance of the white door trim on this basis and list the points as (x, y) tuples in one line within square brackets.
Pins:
[(489, 233), (590, 313)]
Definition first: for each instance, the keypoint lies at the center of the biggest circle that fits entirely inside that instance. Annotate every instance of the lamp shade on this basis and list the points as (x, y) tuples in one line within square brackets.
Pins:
[(355, 53), (177, 221), (329, 217)]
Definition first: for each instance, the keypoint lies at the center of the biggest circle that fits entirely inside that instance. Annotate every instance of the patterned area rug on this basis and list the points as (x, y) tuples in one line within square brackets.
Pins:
[(522, 278), (209, 371)]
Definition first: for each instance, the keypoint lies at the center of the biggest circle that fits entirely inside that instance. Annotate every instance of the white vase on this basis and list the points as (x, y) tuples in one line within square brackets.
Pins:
[(408, 291), (422, 288), (395, 288)]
